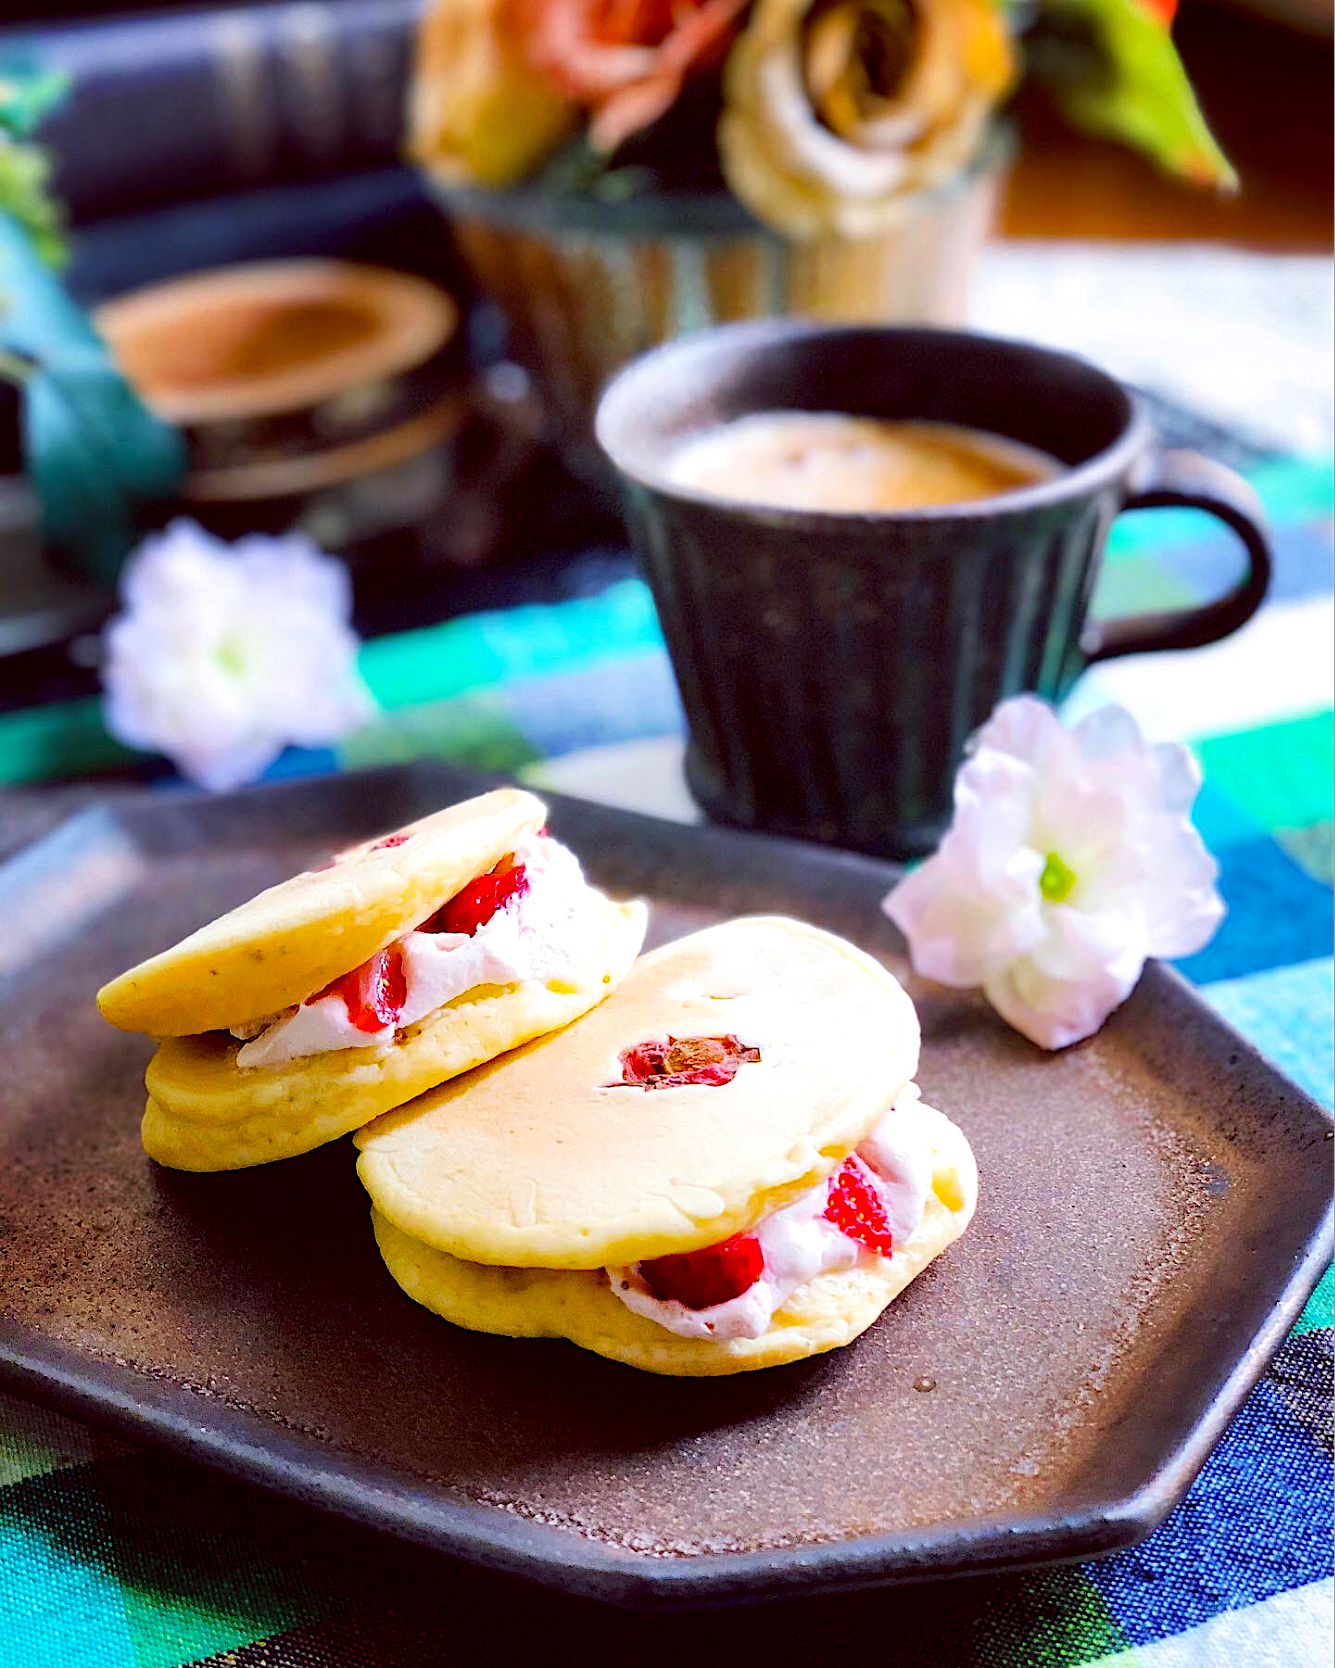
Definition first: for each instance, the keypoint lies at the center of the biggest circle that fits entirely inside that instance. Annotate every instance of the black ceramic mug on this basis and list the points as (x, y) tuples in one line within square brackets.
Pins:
[(833, 664)]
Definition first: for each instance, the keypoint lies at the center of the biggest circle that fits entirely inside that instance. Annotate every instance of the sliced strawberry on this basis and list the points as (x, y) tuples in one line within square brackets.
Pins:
[(475, 905), (672, 1062), (643, 1062), (373, 993), (857, 1209), (700, 1279)]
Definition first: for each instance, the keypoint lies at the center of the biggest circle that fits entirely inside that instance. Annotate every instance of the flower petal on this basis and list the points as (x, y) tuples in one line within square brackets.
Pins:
[(1114, 812), (994, 815), (1027, 729), (1083, 946), (1107, 732), (1049, 1012), (1179, 776), (843, 149), (478, 110), (223, 655), (1065, 993), (1183, 907), (974, 906), (955, 936)]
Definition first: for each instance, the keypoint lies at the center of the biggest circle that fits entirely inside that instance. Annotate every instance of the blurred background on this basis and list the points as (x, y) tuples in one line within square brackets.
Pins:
[(432, 433)]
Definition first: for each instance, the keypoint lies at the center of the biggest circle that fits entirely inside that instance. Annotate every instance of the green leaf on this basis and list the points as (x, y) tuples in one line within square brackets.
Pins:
[(90, 459), (27, 93), (94, 453), (25, 173), (1119, 76)]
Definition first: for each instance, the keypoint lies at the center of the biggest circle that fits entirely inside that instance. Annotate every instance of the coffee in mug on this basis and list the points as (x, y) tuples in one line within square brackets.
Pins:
[(828, 460)]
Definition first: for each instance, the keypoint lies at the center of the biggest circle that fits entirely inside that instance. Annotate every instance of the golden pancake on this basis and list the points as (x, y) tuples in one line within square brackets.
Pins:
[(206, 1113), (823, 1314), (546, 1159), (296, 937)]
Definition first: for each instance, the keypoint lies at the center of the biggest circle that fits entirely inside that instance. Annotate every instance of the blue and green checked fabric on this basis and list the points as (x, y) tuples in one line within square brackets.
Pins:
[(112, 1557)]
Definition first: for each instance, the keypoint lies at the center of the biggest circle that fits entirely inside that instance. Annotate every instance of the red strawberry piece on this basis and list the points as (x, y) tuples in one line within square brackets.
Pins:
[(674, 1062), (475, 905), (373, 993), (390, 840), (857, 1209), (643, 1062), (700, 1279)]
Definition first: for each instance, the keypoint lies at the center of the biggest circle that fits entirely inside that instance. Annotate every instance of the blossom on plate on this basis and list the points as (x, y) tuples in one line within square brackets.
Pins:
[(479, 111), (1070, 859), (224, 654), (626, 59), (836, 112)]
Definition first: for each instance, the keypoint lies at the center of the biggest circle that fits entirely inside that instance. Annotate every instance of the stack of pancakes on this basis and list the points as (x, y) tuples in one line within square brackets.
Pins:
[(708, 1160)]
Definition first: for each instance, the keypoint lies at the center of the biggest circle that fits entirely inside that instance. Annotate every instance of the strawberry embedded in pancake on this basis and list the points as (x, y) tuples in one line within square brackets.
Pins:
[(735, 1106), (296, 937), (517, 922), (675, 1062), (822, 1311), (469, 933)]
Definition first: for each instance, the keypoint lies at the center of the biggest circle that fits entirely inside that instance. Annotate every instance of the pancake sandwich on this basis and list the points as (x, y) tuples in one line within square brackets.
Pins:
[(347, 990), (724, 1166)]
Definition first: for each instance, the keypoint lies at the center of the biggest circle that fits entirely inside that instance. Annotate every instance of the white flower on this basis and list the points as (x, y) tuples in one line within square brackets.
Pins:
[(1070, 859), (224, 654)]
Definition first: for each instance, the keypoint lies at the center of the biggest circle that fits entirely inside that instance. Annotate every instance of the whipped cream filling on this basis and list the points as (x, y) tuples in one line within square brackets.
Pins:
[(533, 935), (798, 1242)]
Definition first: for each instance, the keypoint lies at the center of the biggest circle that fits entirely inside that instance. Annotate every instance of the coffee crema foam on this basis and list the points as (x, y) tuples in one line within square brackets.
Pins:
[(825, 460)]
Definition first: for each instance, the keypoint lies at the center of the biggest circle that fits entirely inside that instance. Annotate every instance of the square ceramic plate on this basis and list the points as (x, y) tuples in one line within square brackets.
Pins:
[(1154, 1210)]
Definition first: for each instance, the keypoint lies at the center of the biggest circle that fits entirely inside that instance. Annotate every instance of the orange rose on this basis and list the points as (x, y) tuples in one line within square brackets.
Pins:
[(627, 60)]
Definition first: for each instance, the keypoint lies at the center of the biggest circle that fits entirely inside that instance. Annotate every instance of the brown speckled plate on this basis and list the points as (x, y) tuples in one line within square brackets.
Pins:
[(1154, 1211)]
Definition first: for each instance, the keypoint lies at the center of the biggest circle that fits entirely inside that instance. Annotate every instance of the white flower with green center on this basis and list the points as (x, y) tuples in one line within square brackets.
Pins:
[(226, 653), (1070, 859)]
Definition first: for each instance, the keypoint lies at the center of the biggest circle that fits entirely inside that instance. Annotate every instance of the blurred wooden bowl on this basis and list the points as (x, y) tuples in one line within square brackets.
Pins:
[(295, 382)]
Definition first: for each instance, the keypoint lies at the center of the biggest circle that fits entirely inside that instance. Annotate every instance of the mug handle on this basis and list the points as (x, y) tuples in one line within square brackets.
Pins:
[(1186, 479)]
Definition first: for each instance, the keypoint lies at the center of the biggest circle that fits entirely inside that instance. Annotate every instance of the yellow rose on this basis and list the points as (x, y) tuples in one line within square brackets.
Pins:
[(478, 112), (836, 112)]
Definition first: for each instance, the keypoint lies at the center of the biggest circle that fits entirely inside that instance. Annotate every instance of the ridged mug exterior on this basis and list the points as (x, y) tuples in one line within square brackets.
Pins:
[(830, 687)]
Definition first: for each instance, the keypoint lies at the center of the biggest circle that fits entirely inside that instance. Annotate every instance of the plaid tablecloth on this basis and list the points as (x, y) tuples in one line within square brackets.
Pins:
[(113, 1556)]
